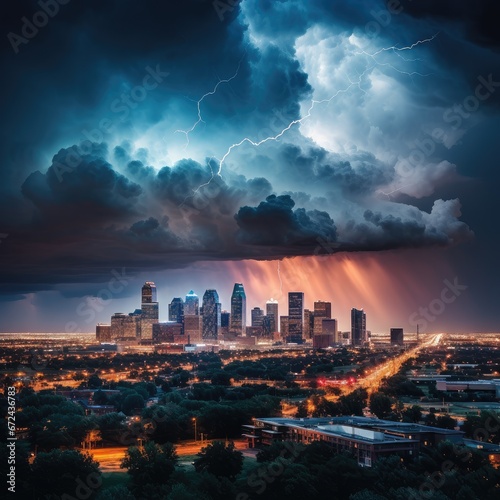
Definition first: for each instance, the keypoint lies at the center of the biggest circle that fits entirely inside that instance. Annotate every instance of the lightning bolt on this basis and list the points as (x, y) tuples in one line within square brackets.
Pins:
[(396, 50), (314, 103), (202, 98)]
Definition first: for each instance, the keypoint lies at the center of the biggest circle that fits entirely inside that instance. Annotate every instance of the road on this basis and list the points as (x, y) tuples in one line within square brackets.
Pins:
[(110, 458), (373, 381)]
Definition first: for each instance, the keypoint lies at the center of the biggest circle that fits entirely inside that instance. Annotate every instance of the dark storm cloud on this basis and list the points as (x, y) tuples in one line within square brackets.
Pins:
[(275, 223), (117, 207)]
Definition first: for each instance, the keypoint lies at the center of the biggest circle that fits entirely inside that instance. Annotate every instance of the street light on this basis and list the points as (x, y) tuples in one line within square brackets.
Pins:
[(194, 420)]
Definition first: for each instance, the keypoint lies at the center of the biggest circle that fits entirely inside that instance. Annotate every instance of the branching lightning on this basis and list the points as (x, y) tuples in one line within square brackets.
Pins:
[(314, 103), (198, 105)]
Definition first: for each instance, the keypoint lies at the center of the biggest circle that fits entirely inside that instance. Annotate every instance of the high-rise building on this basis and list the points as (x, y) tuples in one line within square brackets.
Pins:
[(211, 315), (257, 316), (225, 317), (272, 313), (330, 327), (103, 332), (358, 327), (126, 326), (238, 320), (284, 324), (176, 310), (267, 331), (192, 327), (191, 305), (308, 324), (321, 310), (295, 316), (397, 336), (149, 310)]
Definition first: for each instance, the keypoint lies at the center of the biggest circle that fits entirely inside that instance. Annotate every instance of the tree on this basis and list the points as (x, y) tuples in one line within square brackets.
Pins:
[(94, 381), (446, 422), (380, 404), (132, 402), (65, 473), (219, 460), (412, 414), (150, 464), (100, 398)]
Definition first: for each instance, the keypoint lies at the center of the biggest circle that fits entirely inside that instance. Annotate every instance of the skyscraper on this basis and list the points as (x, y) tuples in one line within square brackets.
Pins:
[(149, 310), (176, 310), (308, 328), (257, 316), (272, 313), (358, 327), (238, 319), (211, 315), (295, 316), (322, 310), (191, 305), (397, 336), (224, 322)]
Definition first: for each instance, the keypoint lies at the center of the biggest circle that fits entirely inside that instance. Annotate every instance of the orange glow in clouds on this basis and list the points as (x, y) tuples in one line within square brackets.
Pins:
[(389, 286)]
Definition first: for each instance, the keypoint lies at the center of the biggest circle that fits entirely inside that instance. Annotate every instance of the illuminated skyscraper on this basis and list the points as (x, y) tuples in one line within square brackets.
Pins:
[(191, 306), (176, 310), (308, 327), (358, 327), (211, 315), (272, 313), (149, 310), (238, 320), (257, 315), (295, 316), (322, 310)]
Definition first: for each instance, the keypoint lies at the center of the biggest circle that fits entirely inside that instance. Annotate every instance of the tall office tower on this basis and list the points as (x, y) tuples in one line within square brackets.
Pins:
[(358, 327), (149, 308), (284, 324), (330, 327), (211, 315), (238, 320), (266, 326), (191, 305), (103, 332), (127, 326), (295, 316), (224, 322), (257, 316), (272, 312), (176, 310), (397, 336), (308, 323), (322, 310), (192, 327)]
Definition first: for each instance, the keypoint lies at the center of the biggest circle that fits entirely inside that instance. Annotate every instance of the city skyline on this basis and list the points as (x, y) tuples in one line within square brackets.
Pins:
[(347, 152)]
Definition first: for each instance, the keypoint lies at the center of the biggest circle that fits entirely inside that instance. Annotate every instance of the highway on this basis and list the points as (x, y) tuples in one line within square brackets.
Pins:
[(110, 458), (372, 381)]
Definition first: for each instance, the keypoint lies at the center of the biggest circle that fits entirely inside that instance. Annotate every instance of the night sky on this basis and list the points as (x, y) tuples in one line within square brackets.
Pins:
[(338, 148)]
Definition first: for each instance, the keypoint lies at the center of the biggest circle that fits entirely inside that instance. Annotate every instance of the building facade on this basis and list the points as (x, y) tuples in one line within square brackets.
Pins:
[(358, 327), (295, 316), (211, 315), (238, 320)]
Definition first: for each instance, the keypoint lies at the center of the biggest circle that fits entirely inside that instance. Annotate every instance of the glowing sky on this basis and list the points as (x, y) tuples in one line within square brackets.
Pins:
[(197, 147)]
